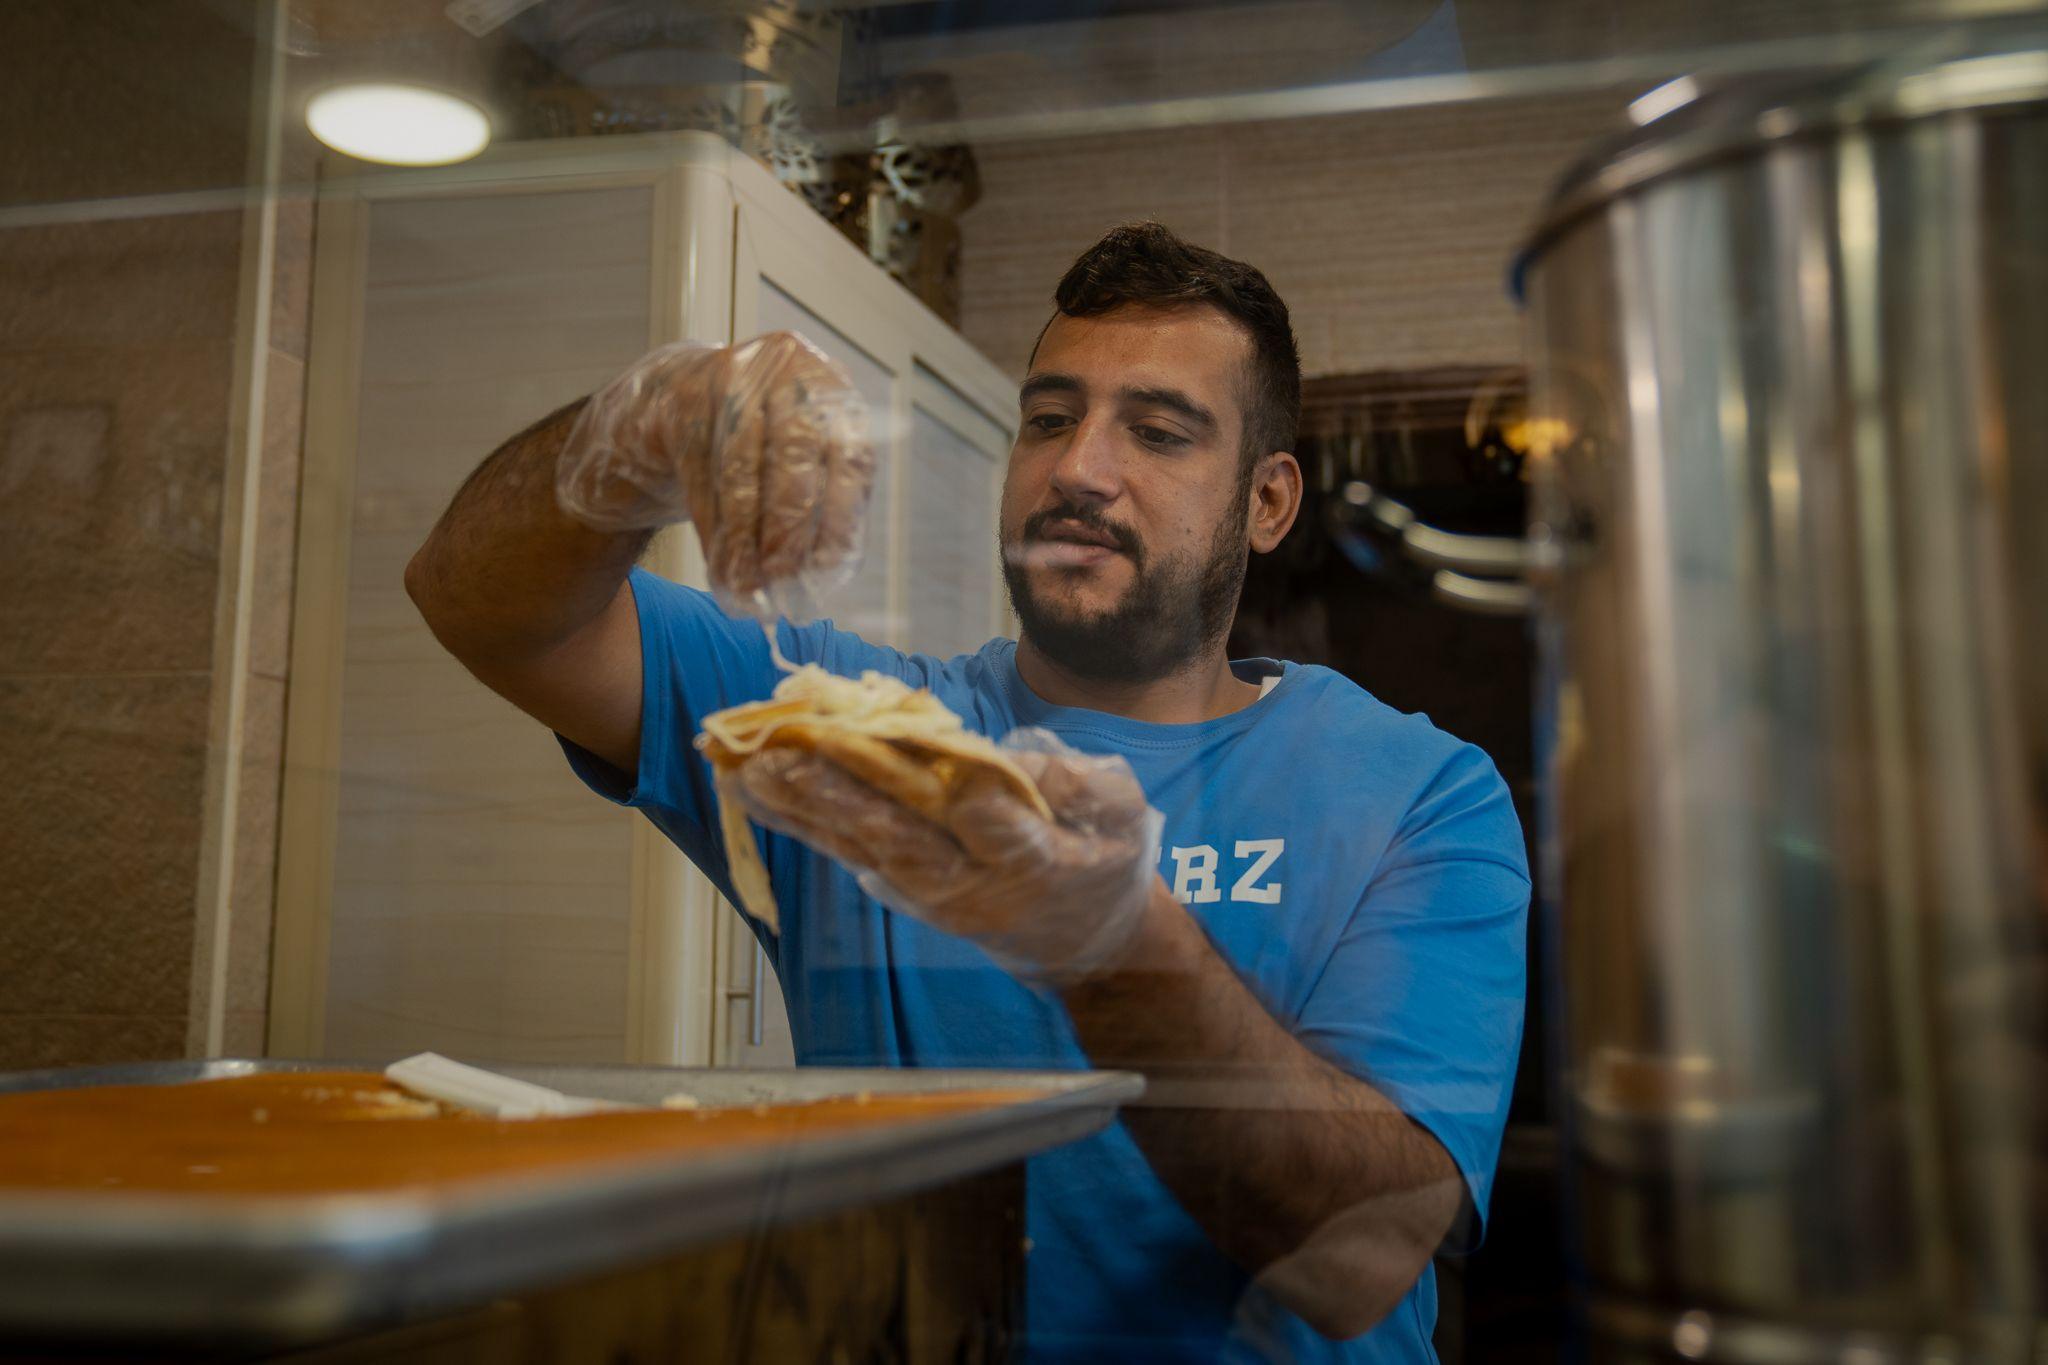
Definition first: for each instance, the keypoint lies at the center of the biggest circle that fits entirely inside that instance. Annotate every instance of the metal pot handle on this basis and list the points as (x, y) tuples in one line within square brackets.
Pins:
[(1483, 596), (1474, 573), (1496, 556)]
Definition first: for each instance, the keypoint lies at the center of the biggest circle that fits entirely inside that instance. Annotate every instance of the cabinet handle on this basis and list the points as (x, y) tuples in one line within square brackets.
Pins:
[(754, 996)]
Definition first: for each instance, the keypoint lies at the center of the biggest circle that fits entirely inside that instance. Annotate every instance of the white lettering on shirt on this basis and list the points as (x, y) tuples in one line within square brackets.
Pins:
[(1247, 887), (1195, 868), (1194, 875)]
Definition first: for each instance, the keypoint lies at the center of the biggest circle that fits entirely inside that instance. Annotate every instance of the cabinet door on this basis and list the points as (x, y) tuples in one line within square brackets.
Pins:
[(480, 896), (953, 583), (862, 606)]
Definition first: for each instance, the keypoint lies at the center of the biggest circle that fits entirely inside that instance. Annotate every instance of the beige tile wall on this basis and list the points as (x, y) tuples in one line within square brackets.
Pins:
[(113, 396), (1387, 233), (114, 380), (113, 442), (117, 363)]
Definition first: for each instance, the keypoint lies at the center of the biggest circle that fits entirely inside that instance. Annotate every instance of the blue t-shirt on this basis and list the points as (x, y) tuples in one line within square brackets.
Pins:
[(1361, 870)]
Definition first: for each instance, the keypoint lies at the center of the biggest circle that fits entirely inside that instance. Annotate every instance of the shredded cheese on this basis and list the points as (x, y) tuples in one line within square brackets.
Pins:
[(775, 648), (875, 705)]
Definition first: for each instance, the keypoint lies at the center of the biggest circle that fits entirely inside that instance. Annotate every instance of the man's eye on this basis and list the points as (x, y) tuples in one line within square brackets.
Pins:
[(1159, 437), (1045, 423)]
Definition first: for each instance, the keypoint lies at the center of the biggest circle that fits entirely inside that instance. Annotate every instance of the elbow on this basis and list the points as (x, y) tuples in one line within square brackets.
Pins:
[(422, 587), (1342, 1312), (419, 578), (416, 579), (1359, 1265)]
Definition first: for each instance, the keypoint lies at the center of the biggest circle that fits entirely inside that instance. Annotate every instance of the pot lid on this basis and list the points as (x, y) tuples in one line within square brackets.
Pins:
[(1695, 120)]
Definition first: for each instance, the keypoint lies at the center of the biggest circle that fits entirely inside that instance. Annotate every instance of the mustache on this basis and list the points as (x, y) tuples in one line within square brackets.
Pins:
[(1126, 539)]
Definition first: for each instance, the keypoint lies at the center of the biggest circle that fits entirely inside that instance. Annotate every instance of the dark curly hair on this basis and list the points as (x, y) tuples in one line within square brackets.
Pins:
[(1146, 263)]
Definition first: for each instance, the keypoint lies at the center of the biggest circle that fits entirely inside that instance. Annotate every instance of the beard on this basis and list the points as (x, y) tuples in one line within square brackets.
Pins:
[(1173, 610)]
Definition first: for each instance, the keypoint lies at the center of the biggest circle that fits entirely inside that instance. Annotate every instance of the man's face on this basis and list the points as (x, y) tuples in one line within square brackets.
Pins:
[(1124, 520)]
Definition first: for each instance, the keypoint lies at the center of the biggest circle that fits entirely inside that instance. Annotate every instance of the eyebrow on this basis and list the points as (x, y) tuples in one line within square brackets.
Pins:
[(1050, 382), (1173, 399)]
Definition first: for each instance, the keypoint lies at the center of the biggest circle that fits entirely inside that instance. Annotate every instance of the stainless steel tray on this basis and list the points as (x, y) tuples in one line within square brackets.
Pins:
[(272, 1272)]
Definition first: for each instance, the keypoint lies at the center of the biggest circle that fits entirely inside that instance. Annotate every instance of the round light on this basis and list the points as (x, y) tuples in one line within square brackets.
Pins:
[(404, 125)]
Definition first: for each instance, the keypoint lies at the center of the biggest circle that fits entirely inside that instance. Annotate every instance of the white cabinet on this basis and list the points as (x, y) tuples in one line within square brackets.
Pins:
[(444, 881), (953, 589), (862, 605)]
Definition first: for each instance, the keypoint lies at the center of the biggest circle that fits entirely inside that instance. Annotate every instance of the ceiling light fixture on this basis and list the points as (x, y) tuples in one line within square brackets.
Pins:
[(401, 125)]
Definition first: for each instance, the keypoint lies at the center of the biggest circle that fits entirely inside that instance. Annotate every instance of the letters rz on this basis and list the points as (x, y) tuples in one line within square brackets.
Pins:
[(1194, 873)]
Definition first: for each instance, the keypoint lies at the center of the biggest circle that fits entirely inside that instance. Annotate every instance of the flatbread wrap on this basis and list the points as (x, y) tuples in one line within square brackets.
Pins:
[(900, 740)]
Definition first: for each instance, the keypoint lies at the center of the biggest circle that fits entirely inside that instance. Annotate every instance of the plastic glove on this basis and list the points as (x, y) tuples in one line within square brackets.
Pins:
[(763, 446), (1054, 902)]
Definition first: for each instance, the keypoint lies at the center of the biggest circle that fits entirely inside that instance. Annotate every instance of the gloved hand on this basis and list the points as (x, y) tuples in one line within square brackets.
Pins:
[(1054, 902), (763, 446)]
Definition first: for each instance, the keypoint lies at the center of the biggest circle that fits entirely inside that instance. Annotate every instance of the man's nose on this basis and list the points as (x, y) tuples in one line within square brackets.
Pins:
[(1087, 471)]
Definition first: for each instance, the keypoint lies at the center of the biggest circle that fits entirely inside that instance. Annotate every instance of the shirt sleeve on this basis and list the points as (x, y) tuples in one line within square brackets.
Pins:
[(694, 659), (1422, 996)]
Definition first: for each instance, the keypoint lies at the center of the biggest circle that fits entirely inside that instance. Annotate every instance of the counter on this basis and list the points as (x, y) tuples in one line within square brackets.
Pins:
[(899, 1242)]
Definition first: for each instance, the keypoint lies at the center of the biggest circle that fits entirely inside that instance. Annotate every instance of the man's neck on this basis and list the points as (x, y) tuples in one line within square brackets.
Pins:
[(1202, 689)]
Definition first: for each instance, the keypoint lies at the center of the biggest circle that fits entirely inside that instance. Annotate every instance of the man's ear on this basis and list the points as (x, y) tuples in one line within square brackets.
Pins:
[(1275, 500)]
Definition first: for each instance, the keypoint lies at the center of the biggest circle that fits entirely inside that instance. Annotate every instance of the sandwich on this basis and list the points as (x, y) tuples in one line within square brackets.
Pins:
[(900, 740)]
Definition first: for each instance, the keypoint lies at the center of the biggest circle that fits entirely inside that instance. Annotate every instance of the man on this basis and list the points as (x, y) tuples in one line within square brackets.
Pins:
[(1324, 987)]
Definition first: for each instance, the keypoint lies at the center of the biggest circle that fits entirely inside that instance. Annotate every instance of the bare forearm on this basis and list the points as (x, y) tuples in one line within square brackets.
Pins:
[(505, 569), (1297, 1170)]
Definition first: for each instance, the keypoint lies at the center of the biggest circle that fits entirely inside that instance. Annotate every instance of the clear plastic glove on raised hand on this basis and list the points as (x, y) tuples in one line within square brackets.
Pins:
[(1053, 901), (763, 446)]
